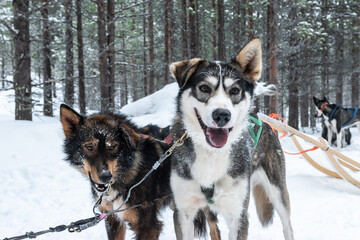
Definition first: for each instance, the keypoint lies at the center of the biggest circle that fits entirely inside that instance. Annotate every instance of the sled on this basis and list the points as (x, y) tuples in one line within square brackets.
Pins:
[(341, 163)]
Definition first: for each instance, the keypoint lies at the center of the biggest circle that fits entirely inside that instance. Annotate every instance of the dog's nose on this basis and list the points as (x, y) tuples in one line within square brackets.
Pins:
[(105, 176), (221, 116)]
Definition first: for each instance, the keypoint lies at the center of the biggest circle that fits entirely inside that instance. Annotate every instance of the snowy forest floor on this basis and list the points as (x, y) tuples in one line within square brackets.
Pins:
[(40, 190)]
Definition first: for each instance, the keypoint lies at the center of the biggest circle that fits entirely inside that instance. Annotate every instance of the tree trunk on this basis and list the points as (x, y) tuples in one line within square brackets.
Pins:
[(48, 108), (172, 53), (166, 41), (213, 32), (339, 55), (69, 78), (250, 20), (2, 73), (184, 31), (111, 51), (293, 74), (221, 31), (271, 102), (22, 79), (325, 50), (104, 83), (144, 51), (81, 66), (192, 27), (355, 75), (237, 25), (151, 48)]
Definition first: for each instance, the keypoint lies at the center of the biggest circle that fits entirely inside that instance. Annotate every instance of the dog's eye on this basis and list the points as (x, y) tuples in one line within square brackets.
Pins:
[(89, 147), (234, 91), (112, 147), (204, 88)]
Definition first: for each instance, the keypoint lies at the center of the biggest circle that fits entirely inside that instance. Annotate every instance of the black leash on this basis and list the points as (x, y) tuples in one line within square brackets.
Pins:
[(83, 224)]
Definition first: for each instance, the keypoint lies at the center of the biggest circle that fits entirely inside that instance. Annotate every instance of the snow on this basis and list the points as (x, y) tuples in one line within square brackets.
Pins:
[(40, 190)]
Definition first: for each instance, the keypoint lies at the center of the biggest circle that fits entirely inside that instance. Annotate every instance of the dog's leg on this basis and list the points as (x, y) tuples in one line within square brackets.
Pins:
[(358, 126), (185, 221), (212, 221), (330, 133), (115, 229), (177, 226), (144, 222), (266, 193), (339, 139)]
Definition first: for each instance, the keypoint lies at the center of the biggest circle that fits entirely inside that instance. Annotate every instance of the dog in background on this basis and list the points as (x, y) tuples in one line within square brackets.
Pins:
[(337, 119), (216, 166)]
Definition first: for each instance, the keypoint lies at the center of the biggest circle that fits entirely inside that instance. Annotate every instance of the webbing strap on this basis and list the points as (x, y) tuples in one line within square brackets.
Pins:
[(251, 126), (354, 113), (333, 111)]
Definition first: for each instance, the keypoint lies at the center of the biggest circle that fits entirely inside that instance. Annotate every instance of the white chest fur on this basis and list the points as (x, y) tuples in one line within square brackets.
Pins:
[(210, 166)]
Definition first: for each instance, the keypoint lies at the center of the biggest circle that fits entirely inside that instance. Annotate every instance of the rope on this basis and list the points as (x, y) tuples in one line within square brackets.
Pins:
[(83, 224), (308, 150), (277, 116)]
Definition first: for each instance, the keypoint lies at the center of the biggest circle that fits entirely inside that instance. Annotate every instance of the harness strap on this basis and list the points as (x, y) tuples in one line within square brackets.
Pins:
[(251, 126), (333, 111), (324, 105), (354, 113)]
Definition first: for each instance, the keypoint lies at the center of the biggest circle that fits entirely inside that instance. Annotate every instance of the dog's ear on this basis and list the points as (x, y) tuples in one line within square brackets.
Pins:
[(129, 137), (182, 70), (315, 99), (250, 59), (70, 119), (325, 99)]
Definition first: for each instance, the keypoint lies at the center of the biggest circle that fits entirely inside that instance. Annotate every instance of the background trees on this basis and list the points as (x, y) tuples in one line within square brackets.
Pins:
[(122, 49)]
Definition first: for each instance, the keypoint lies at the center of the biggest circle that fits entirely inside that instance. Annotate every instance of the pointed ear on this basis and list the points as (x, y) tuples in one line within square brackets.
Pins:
[(70, 120), (182, 70), (325, 99), (250, 59)]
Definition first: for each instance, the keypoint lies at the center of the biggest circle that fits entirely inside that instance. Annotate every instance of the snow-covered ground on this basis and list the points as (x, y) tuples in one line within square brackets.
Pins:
[(39, 190)]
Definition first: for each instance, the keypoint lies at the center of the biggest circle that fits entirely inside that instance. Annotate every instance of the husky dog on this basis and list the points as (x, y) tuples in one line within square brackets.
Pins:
[(217, 166), (338, 120)]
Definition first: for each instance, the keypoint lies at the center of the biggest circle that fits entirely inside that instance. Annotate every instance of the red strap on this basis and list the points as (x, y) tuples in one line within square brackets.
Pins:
[(168, 139), (144, 135), (275, 116), (324, 105), (308, 150)]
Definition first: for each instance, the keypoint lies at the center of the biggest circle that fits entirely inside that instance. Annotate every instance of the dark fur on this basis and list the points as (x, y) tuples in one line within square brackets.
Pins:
[(155, 131), (132, 158)]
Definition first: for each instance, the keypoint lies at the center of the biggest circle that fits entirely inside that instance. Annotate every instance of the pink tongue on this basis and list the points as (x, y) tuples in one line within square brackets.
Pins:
[(217, 136)]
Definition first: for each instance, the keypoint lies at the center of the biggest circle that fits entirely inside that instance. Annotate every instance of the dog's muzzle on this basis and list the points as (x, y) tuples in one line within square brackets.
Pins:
[(216, 137), (101, 187)]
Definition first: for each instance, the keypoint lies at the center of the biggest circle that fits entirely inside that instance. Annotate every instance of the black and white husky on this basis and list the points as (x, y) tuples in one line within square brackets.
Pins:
[(217, 165), (338, 120)]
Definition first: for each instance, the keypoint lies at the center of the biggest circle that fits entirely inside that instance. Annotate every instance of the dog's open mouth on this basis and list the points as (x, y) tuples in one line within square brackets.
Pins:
[(216, 137), (99, 186)]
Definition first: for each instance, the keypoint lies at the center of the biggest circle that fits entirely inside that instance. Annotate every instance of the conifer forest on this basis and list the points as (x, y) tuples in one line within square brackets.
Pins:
[(99, 55)]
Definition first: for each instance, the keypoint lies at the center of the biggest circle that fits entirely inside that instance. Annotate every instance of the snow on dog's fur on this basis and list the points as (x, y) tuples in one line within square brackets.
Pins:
[(216, 166)]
